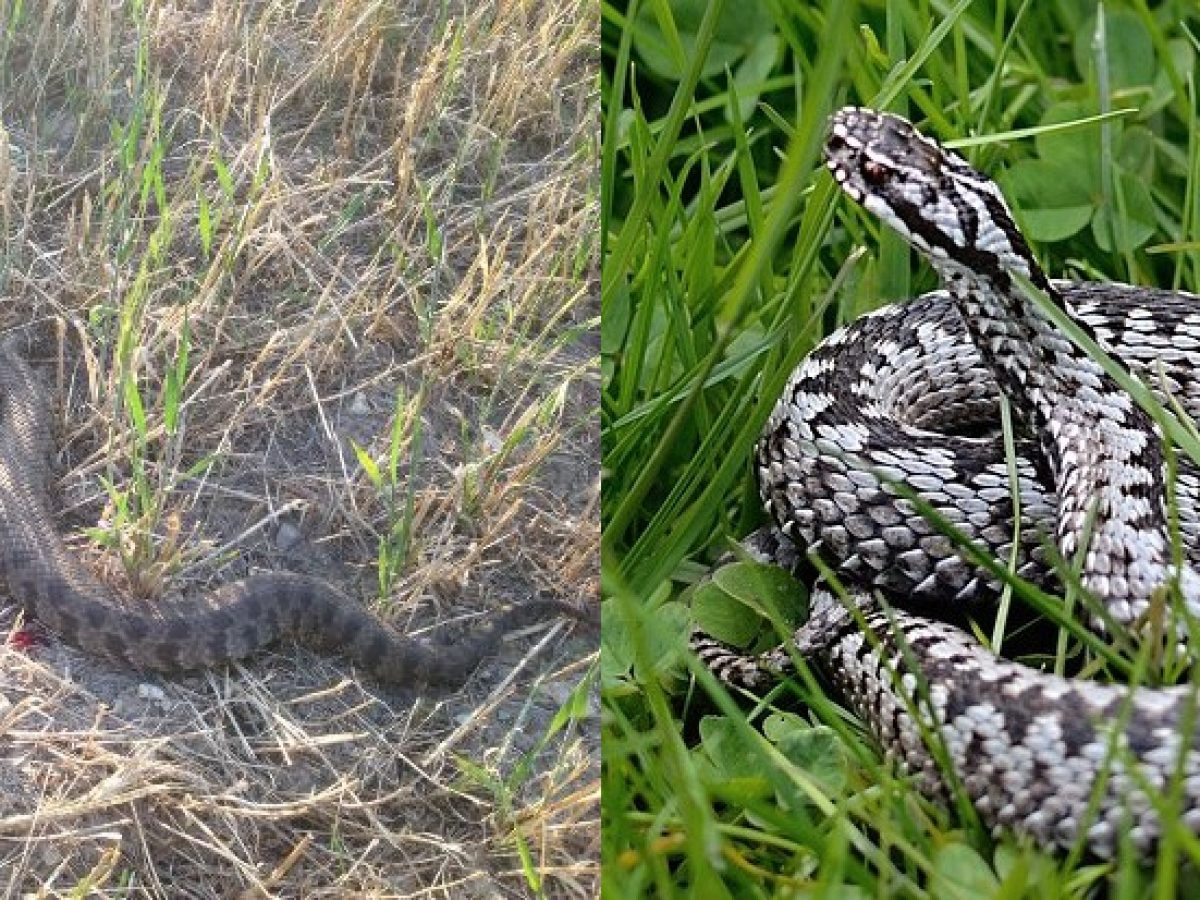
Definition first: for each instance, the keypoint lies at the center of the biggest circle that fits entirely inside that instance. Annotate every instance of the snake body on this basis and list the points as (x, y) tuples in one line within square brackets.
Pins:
[(896, 398), (54, 587)]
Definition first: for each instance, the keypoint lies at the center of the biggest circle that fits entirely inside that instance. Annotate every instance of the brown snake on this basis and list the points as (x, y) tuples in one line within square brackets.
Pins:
[(53, 586)]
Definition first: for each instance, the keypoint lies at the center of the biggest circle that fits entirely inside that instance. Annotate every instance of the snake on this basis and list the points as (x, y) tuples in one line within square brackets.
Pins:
[(177, 634), (896, 415)]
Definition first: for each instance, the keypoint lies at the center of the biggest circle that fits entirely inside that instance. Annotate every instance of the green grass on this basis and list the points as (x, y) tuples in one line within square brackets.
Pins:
[(310, 288), (728, 253)]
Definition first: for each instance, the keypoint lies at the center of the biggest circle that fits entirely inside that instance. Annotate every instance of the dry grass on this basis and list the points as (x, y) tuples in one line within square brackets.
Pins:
[(315, 284)]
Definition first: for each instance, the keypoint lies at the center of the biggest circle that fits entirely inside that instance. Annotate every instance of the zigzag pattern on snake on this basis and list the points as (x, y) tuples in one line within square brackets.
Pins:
[(896, 397), (54, 587)]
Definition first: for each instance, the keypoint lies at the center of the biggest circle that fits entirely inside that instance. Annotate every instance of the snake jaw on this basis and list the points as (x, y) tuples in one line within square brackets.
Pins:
[(866, 155)]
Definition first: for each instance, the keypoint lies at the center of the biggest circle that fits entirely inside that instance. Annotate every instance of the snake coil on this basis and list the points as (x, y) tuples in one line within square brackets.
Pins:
[(895, 398)]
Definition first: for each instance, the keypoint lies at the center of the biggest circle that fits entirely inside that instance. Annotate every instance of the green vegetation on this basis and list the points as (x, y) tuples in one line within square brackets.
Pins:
[(309, 287), (728, 254)]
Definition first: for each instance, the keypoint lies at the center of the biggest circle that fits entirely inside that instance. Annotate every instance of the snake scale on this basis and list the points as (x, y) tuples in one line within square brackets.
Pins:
[(54, 587), (910, 394)]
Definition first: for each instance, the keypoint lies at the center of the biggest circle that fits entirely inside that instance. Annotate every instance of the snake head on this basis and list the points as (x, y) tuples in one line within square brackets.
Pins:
[(933, 197), (875, 154)]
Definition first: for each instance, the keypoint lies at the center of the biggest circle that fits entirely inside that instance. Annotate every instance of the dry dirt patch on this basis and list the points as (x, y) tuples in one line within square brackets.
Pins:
[(314, 288)]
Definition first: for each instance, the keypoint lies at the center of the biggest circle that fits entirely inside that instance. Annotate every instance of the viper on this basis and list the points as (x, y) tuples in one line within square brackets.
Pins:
[(885, 442), (181, 633)]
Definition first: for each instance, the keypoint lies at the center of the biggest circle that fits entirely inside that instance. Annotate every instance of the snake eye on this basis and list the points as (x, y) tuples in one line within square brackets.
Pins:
[(874, 172)]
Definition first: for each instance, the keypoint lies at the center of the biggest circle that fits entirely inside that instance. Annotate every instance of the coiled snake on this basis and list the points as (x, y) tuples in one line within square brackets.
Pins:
[(54, 587), (894, 398)]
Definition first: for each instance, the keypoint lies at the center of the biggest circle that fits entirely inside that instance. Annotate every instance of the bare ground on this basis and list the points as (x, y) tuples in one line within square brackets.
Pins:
[(314, 288)]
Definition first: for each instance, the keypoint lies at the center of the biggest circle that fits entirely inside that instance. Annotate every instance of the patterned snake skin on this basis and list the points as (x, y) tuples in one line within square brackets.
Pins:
[(900, 396), (55, 588)]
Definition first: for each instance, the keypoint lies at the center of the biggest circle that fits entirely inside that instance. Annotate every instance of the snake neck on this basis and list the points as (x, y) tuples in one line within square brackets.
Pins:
[(1103, 450)]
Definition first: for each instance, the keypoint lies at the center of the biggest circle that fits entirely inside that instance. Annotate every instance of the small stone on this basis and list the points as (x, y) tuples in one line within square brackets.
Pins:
[(288, 536), (151, 692), (359, 405), (492, 441), (559, 692)]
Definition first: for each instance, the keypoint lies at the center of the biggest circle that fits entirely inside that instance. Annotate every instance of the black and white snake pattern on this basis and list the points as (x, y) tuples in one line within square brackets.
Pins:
[(900, 397)]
